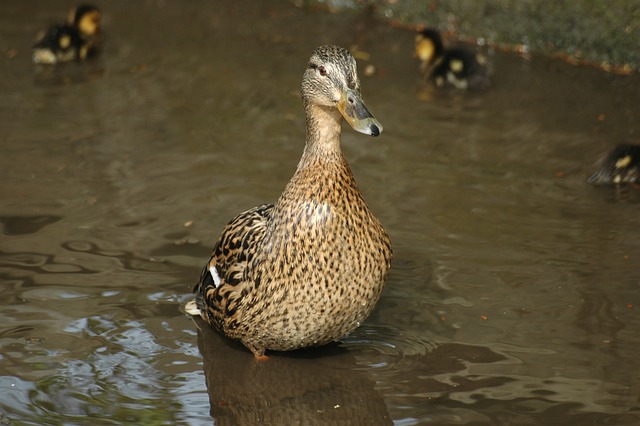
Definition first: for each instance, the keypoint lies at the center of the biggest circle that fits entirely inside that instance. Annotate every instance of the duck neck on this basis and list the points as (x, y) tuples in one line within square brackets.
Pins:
[(323, 135)]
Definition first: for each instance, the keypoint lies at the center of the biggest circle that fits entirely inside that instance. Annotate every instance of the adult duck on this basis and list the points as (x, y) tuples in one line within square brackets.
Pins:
[(308, 269)]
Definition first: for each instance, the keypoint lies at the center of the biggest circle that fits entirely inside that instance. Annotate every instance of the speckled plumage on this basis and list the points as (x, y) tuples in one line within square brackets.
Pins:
[(308, 269)]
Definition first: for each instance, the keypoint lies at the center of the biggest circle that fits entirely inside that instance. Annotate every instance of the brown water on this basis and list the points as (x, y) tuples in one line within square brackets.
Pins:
[(513, 298)]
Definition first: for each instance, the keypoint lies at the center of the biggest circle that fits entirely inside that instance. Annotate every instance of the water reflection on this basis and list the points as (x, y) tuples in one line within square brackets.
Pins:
[(443, 383), (316, 386), (513, 298), (67, 74), (129, 260), (20, 225)]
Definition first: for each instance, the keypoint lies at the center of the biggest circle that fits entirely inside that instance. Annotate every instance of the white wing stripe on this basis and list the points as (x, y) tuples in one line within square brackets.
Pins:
[(214, 275)]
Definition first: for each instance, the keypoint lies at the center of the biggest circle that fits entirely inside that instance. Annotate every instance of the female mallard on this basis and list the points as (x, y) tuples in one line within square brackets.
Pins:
[(459, 67), (308, 269), (621, 165), (76, 40)]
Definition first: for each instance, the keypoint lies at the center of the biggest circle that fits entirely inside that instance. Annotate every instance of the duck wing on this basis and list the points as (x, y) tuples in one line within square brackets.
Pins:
[(218, 289)]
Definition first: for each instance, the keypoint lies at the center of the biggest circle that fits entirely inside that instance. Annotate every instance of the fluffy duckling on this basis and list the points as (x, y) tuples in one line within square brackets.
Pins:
[(308, 269), (621, 165), (76, 40), (458, 67)]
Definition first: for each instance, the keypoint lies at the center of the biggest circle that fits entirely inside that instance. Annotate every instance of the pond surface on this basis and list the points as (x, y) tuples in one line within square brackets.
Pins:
[(513, 297)]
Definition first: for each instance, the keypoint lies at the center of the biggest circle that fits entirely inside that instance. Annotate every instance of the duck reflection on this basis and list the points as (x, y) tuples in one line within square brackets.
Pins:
[(311, 387)]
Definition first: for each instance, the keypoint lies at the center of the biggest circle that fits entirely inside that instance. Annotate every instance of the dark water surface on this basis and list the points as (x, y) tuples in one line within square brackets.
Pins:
[(513, 298)]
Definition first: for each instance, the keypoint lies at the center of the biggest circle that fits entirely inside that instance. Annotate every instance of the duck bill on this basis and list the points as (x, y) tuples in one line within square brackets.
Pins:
[(357, 115)]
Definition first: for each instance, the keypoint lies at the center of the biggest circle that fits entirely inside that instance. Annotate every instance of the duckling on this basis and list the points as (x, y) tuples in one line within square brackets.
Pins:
[(309, 268), (621, 165), (76, 40), (458, 67)]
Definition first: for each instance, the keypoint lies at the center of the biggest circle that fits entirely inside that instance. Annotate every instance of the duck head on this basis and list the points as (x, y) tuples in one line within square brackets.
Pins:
[(428, 45), (86, 18), (331, 80)]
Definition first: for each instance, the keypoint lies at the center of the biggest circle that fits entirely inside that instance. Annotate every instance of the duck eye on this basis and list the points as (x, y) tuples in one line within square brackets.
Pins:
[(322, 70)]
